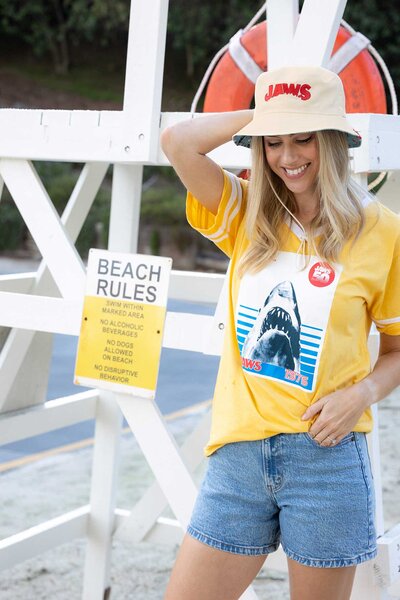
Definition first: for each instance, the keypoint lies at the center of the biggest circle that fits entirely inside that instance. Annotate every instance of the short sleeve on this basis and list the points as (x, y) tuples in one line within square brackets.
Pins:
[(385, 310), (223, 227)]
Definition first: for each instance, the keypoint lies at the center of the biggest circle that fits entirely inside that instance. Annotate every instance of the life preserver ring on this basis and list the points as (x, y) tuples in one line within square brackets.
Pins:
[(230, 88)]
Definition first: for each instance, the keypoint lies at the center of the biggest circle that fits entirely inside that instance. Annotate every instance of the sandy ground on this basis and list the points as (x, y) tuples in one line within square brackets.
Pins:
[(57, 484)]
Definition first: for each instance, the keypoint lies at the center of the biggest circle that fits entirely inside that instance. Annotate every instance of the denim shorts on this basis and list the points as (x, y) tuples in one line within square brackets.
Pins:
[(317, 501)]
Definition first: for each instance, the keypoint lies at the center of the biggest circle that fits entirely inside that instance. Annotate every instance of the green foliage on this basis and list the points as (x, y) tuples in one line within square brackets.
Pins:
[(163, 206), (380, 22), (59, 180), (197, 29), (53, 27), (155, 242), (12, 228)]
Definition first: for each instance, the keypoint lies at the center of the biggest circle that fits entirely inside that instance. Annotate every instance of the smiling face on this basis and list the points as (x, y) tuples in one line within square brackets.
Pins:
[(295, 159)]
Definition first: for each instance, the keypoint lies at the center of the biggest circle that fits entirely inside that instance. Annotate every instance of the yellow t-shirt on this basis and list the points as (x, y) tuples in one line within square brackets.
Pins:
[(295, 335)]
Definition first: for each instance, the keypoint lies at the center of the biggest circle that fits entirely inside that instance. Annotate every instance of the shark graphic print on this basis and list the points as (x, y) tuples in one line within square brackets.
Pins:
[(281, 318)]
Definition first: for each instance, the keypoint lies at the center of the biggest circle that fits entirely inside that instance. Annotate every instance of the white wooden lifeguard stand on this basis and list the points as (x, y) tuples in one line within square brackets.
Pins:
[(35, 305)]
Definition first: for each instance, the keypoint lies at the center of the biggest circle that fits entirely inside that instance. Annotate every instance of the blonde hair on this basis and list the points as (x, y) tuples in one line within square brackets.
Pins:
[(341, 215)]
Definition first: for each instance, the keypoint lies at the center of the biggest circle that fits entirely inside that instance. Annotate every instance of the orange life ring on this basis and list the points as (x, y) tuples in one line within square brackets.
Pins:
[(230, 89)]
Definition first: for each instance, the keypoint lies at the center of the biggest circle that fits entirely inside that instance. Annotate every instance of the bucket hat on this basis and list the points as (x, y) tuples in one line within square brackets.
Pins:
[(298, 100)]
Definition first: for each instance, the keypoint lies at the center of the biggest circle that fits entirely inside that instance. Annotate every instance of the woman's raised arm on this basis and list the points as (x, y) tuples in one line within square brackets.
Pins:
[(187, 143)]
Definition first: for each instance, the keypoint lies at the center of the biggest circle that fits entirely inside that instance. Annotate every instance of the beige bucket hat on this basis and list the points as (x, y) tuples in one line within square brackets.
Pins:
[(298, 100)]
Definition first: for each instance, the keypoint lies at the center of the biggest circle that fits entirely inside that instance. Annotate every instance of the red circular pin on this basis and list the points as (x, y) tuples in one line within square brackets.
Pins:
[(321, 274)]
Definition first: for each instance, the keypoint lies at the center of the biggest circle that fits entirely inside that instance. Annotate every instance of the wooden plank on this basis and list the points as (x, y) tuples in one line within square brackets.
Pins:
[(103, 491), (163, 457), (82, 146), (183, 331), (20, 342), (67, 135), (125, 208), (282, 18), (43, 537), (45, 227), (140, 521), (144, 75), (381, 141), (40, 313), (27, 422), (316, 32), (192, 286), (82, 197)]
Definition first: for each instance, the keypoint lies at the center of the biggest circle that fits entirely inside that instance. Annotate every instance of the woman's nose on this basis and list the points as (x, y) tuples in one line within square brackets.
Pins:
[(289, 154)]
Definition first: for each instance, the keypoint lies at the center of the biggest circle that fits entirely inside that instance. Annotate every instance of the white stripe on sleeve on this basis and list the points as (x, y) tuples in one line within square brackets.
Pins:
[(232, 209), (386, 321)]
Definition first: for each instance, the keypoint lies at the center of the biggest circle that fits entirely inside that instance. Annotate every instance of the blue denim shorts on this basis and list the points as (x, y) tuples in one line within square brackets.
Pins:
[(317, 501)]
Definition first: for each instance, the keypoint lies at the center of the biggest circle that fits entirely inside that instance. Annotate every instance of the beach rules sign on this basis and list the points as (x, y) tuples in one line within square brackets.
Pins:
[(123, 320)]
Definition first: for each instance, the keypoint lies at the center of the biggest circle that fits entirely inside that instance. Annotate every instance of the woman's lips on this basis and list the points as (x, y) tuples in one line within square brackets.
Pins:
[(296, 173)]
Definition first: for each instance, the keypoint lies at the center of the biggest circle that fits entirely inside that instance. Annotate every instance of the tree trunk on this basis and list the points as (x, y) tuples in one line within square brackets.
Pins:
[(62, 53)]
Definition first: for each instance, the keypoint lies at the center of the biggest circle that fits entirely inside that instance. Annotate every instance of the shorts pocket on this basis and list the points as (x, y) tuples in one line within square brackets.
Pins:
[(349, 437)]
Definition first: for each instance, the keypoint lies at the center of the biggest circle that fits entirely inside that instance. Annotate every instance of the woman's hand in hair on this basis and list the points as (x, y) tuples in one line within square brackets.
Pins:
[(187, 143)]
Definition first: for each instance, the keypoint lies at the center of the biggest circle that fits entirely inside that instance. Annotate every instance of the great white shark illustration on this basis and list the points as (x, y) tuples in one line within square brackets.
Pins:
[(275, 336)]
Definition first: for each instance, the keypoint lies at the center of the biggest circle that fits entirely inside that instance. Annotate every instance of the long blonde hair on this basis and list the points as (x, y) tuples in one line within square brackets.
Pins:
[(341, 215)]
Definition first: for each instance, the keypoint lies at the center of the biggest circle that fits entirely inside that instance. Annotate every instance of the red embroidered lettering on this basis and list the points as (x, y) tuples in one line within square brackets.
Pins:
[(302, 91), (291, 88), (268, 95), (305, 91)]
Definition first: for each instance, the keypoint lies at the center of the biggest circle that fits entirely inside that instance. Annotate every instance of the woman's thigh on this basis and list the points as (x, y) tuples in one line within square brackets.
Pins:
[(313, 583), (203, 572)]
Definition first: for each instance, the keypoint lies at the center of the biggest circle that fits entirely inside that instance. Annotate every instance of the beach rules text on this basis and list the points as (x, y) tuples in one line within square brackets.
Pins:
[(123, 322)]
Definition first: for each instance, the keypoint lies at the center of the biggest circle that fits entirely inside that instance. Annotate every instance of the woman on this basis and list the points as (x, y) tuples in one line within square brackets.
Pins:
[(314, 261)]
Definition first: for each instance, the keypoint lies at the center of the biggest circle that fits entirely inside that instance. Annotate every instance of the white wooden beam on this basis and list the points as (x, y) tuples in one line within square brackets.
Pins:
[(316, 32), (282, 18), (43, 537), (103, 491), (40, 313), (183, 331), (45, 227), (146, 511), (144, 74), (82, 197), (184, 285), (147, 424), (380, 133), (69, 135), (125, 208), (19, 341), (27, 422), (379, 150), (164, 531), (191, 285), (228, 155)]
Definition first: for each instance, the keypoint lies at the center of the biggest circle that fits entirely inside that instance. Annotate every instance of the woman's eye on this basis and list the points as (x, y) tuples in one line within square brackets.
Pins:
[(273, 144), (305, 140)]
